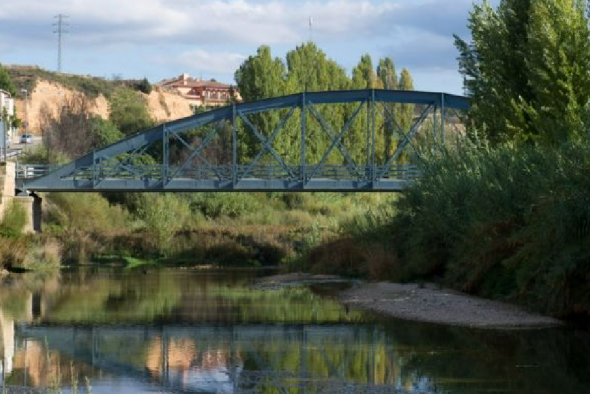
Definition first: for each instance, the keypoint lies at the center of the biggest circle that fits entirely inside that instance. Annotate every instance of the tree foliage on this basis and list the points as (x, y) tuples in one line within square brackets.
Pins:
[(308, 69), (528, 69), (73, 131), (6, 82), (129, 112)]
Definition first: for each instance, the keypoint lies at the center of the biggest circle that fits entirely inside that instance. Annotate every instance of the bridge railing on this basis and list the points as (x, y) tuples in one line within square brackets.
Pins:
[(29, 171), (229, 172)]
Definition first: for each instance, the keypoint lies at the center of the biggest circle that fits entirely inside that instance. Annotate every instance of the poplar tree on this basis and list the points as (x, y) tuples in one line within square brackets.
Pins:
[(388, 78), (405, 114), (310, 70), (358, 137), (527, 69), (558, 60), (260, 76), (387, 74)]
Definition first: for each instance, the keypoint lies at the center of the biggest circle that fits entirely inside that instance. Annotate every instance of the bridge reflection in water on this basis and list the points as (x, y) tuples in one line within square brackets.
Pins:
[(238, 359)]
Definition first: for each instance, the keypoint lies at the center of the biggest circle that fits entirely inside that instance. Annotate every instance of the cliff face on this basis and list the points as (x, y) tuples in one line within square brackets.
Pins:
[(162, 107)]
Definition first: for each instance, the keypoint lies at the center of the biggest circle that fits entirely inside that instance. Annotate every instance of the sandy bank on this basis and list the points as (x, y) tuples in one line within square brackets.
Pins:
[(420, 303), (430, 304)]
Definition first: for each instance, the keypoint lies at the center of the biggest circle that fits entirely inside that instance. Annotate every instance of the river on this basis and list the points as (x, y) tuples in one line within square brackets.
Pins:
[(196, 331)]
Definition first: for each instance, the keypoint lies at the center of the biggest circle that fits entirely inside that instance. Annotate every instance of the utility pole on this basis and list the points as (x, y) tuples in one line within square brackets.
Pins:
[(61, 26)]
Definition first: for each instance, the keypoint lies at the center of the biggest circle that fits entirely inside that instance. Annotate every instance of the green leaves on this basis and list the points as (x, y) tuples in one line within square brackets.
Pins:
[(528, 70), (129, 112)]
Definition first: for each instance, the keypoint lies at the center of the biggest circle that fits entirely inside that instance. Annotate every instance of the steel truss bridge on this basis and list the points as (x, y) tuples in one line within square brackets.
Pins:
[(206, 152)]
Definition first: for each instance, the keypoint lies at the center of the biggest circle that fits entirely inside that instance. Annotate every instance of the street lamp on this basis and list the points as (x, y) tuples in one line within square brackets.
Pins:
[(26, 92)]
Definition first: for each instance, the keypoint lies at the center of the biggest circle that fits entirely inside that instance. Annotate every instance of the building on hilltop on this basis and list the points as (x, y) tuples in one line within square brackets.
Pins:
[(201, 93)]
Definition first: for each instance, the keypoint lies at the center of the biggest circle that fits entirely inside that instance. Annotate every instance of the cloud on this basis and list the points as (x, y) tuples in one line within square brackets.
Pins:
[(416, 33), (203, 61), (221, 21), (423, 49)]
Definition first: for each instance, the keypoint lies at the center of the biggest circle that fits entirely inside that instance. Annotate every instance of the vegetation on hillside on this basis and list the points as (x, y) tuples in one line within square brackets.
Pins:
[(26, 77)]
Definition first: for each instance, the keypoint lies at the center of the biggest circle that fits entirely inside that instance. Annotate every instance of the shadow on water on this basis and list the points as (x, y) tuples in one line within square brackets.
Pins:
[(207, 331)]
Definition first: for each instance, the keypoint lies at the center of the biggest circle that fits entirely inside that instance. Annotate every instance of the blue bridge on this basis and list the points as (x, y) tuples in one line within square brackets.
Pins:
[(362, 140)]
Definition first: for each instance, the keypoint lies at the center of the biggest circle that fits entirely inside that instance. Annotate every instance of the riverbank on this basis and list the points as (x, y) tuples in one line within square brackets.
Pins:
[(437, 305), (424, 303)]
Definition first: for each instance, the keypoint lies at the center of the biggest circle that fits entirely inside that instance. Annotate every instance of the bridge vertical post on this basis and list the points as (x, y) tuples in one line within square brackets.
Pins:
[(234, 159), (373, 130), (94, 169), (303, 136), (166, 156)]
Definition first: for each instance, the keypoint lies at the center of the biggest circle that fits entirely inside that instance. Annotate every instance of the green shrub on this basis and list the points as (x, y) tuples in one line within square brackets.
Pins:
[(14, 222), (510, 222)]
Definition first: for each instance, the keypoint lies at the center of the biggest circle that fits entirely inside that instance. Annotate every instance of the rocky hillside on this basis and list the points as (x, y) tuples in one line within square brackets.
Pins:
[(51, 90)]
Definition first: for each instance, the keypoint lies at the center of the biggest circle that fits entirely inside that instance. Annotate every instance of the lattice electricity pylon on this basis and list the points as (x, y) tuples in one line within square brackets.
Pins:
[(363, 140)]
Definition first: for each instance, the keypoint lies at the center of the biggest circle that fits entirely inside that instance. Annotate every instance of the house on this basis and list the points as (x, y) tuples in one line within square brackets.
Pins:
[(6, 103), (6, 114), (201, 93)]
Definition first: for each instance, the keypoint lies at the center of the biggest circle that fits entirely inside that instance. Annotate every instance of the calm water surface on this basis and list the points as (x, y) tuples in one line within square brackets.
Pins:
[(191, 331)]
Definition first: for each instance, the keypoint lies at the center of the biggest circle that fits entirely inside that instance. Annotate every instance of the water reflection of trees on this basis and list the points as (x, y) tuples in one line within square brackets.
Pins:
[(186, 330)]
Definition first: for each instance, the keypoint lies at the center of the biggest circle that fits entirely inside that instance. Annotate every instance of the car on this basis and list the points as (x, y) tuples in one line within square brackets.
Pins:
[(26, 139)]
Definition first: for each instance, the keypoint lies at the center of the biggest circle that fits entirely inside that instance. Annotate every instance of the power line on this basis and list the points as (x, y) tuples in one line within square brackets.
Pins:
[(61, 26)]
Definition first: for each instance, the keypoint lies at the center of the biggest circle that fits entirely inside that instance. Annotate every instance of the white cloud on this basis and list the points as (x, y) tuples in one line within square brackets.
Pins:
[(238, 21), (416, 33), (203, 61)]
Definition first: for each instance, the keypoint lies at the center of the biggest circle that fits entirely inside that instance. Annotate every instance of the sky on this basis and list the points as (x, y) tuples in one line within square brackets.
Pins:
[(160, 39)]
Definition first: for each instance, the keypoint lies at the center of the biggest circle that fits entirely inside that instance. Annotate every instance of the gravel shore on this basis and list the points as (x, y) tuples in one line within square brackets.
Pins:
[(425, 303), (431, 304)]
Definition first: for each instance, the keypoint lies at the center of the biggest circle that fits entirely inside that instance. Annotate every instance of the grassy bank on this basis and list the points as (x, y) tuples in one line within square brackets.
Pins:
[(506, 223), (257, 229)]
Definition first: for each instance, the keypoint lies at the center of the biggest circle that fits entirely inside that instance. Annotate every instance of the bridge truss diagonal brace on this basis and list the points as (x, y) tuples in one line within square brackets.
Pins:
[(391, 117), (264, 141), (196, 152), (408, 137), (123, 165), (327, 128), (268, 144), (336, 139)]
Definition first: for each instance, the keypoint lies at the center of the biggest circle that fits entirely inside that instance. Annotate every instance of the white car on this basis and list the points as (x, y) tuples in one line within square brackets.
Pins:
[(26, 139)]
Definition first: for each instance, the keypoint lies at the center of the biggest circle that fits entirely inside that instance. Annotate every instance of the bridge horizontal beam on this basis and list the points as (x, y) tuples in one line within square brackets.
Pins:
[(245, 185)]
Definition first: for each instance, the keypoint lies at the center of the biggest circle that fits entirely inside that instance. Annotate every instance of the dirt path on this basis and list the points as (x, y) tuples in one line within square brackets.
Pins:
[(430, 304)]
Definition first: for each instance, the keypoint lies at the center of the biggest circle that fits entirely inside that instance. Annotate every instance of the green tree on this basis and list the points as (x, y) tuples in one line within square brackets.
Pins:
[(259, 77), (405, 113), (144, 86), (309, 69), (358, 137), (388, 78), (494, 66), (558, 60), (527, 69), (364, 75), (387, 74), (129, 112), (6, 81), (104, 131)]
